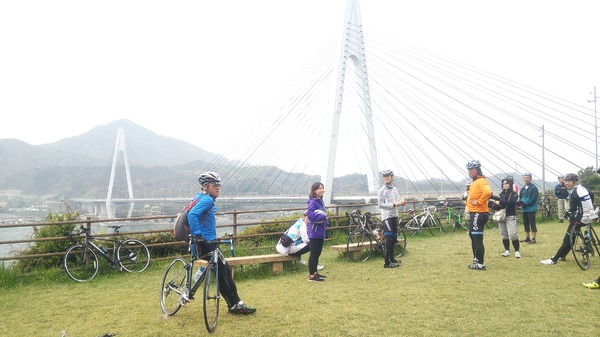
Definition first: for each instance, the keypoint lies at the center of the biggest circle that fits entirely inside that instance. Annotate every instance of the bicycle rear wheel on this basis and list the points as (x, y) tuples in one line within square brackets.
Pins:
[(133, 255), (211, 297), (400, 247), (359, 246), (579, 249), (173, 286), (81, 265), (413, 226)]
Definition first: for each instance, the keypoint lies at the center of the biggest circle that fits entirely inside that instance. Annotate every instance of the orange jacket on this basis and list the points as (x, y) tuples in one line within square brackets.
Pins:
[(480, 190)]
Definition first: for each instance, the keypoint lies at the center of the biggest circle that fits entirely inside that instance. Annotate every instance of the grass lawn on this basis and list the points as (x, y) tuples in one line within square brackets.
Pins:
[(431, 294)]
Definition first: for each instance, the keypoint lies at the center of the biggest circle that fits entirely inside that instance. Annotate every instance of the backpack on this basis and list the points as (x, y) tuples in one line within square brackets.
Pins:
[(181, 230)]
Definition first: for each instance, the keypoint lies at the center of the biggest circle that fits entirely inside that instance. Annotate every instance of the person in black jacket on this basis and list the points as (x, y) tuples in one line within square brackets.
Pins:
[(508, 227), (580, 212)]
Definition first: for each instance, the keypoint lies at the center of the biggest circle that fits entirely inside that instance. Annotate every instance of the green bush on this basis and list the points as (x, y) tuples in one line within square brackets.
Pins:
[(43, 247)]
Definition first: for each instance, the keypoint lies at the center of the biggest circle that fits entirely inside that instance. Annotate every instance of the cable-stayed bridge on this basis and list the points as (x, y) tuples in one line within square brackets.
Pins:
[(365, 103)]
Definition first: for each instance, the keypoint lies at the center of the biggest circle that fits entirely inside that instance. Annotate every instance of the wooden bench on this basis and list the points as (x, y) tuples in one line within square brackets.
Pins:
[(354, 248), (276, 260)]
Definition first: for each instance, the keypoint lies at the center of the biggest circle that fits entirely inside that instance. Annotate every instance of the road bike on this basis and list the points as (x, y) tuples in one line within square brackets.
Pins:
[(583, 244), (456, 218), (81, 260), (178, 287), (424, 221), (365, 235), (548, 210)]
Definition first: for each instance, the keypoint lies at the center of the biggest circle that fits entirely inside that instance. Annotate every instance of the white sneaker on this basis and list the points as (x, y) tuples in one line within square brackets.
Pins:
[(548, 262), (506, 253), (302, 262), (320, 267), (518, 255)]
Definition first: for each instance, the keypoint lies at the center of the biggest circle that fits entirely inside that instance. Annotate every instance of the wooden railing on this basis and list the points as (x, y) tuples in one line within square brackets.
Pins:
[(229, 227)]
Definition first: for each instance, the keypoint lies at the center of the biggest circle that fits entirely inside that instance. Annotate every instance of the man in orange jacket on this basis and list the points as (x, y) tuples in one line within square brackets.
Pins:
[(477, 205)]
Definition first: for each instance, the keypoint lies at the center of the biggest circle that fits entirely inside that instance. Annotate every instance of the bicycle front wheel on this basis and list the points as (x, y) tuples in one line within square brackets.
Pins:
[(133, 255), (173, 287), (437, 222), (80, 264), (579, 249), (359, 246), (595, 242), (211, 297)]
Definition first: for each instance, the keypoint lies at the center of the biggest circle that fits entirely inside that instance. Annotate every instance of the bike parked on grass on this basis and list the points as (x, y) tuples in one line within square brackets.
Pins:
[(424, 221), (548, 210), (81, 260), (456, 218), (364, 232)]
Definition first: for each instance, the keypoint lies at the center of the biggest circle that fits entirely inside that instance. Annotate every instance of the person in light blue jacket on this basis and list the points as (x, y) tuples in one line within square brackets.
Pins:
[(299, 234)]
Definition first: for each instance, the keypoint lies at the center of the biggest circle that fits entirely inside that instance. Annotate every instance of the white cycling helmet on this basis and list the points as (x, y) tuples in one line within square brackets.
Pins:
[(473, 163), (209, 177)]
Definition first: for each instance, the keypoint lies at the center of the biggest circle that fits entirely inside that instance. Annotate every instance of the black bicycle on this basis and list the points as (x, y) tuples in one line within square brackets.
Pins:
[(584, 242), (81, 260), (178, 287), (548, 210), (365, 236)]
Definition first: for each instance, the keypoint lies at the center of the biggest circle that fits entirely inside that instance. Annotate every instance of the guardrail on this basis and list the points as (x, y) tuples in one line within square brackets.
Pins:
[(229, 227)]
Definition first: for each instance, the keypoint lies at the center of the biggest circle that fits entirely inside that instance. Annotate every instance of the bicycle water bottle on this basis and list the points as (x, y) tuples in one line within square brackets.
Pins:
[(375, 234), (198, 274), (102, 249), (586, 236)]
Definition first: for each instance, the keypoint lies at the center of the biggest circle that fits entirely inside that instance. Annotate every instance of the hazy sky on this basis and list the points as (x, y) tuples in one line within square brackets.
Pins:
[(202, 71)]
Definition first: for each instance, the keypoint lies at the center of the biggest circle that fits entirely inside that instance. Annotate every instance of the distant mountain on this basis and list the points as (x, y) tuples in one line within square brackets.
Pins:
[(80, 165)]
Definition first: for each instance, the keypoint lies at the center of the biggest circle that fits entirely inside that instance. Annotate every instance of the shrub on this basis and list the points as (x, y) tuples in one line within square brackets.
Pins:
[(43, 247)]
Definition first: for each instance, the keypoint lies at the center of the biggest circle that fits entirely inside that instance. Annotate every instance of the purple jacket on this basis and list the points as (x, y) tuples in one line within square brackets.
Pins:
[(317, 218)]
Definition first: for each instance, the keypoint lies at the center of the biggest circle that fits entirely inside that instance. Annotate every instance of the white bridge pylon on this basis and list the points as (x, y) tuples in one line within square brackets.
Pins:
[(353, 48), (119, 148)]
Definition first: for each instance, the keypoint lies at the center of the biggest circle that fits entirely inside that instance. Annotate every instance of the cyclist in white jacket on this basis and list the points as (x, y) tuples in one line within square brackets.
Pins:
[(388, 199)]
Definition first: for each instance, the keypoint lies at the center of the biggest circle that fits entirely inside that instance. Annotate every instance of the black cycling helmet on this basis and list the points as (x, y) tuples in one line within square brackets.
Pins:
[(509, 180), (387, 173), (473, 163), (560, 176), (572, 177), (209, 177)]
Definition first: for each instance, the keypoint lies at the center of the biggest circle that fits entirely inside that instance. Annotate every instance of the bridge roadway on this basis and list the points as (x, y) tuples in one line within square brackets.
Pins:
[(98, 206)]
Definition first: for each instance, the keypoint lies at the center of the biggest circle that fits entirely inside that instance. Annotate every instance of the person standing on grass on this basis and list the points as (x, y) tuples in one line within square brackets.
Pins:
[(561, 193), (528, 199), (580, 212), (388, 199), (203, 225), (508, 227), (317, 225), (477, 205)]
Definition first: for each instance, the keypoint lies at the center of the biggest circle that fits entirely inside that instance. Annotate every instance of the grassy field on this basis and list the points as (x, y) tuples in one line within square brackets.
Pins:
[(431, 294)]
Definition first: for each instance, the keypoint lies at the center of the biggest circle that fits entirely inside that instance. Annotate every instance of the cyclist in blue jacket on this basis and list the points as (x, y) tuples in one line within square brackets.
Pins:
[(203, 225)]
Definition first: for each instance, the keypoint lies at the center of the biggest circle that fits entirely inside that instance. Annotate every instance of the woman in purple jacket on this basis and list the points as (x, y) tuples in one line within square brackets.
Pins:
[(317, 223)]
